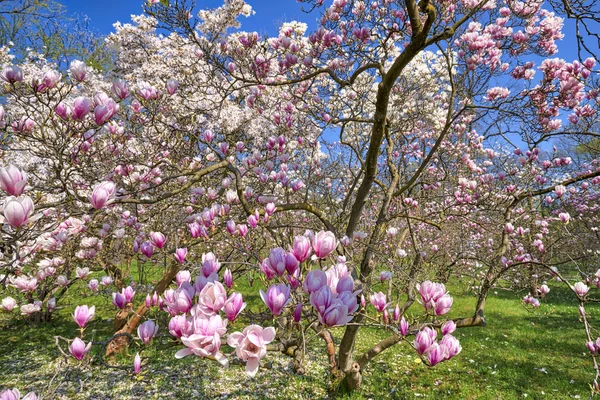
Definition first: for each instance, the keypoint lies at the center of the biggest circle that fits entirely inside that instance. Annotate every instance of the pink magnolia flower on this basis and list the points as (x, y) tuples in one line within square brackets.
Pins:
[(276, 297), (171, 86), (146, 331), (452, 345), (81, 107), (424, 340), (181, 254), (11, 74), (436, 353), (336, 314), (544, 290), (180, 300), (314, 280), (581, 289), (206, 339), (180, 326), (379, 301), (147, 249), (18, 210), (302, 248), (251, 345), (83, 315), (298, 312), (8, 304), (449, 327), (212, 298), (430, 293), (78, 70), (128, 293), (158, 239), (13, 180), (82, 273), (385, 276), (324, 243), (119, 300), (443, 304), (210, 264), (183, 276), (102, 195), (78, 348), (234, 306)]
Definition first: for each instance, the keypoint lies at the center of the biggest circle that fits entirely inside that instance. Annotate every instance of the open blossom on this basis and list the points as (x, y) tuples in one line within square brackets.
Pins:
[(78, 348), (379, 301), (82, 273), (11, 74), (181, 299), (83, 315), (8, 304), (102, 194), (13, 180), (251, 345), (206, 338), (179, 326), (212, 298)]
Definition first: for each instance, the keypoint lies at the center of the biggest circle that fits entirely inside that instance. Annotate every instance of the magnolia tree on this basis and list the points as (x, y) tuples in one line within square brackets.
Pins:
[(345, 173)]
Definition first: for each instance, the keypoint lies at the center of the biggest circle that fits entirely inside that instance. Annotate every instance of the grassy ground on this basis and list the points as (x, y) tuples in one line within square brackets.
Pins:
[(518, 354)]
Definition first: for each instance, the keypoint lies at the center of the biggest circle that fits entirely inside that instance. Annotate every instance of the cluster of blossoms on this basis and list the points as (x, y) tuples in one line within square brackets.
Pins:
[(426, 344)]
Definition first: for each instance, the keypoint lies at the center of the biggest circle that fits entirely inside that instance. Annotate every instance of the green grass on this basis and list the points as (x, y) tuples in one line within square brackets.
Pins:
[(518, 354)]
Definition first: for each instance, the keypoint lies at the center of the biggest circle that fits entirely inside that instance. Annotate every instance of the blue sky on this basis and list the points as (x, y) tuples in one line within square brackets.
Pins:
[(269, 14)]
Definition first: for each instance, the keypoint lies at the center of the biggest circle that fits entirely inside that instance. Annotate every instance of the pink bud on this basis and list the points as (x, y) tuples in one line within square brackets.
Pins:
[(228, 278)]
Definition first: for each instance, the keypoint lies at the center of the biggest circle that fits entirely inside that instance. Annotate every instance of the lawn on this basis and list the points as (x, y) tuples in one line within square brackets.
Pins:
[(520, 353)]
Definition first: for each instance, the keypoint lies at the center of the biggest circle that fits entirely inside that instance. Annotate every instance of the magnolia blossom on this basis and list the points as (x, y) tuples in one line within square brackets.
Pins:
[(251, 345), (581, 289), (146, 331), (13, 180), (78, 348), (8, 304), (234, 306), (18, 210), (276, 297), (102, 195), (324, 243), (83, 315), (379, 301), (206, 338)]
